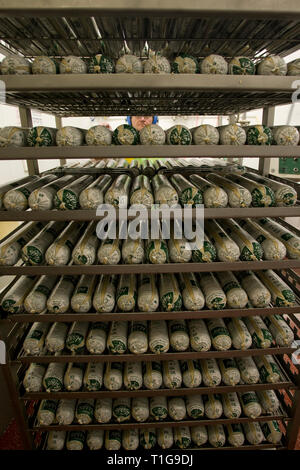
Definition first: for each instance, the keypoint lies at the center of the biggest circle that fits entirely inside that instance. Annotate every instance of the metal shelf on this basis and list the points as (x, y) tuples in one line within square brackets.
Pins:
[(148, 268), (169, 94), (159, 424), (85, 358), (87, 215), (160, 392), (129, 316), (148, 151)]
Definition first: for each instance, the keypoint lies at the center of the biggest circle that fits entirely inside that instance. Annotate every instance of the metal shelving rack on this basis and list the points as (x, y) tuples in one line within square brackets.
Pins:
[(81, 28)]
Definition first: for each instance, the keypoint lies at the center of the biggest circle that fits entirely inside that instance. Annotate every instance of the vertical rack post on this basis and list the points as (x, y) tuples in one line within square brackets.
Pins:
[(58, 124), (267, 120), (26, 121)]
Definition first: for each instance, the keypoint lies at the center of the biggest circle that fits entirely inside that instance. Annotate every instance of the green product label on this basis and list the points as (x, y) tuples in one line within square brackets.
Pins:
[(206, 255), (249, 398), (134, 385), (53, 384), (70, 199), (245, 67), (287, 236), (85, 409), (36, 334), (43, 289), (34, 255), (94, 385), (117, 347), (76, 436), (219, 331), (191, 196), (230, 285), (289, 199), (114, 436), (74, 339), (196, 413), (49, 405), (160, 411), (82, 259), (180, 138), (122, 410), (7, 305), (82, 290), (147, 438), (288, 296)]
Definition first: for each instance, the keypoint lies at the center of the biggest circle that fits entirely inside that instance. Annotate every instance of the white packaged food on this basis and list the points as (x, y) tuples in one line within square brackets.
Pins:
[(240, 335), (191, 373), (152, 375), (273, 65), (178, 334), (113, 377), (216, 435), (227, 249), (253, 433), (56, 440), (77, 336), (170, 296), (211, 374), (248, 370), (53, 380), (72, 64), (81, 301), (46, 412), (105, 293), (232, 134), (73, 379), (214, 64), (138, 337), (148, 297), (250, 404), (36, 300), (127, 292), (85, 250), (112, 440), (33, 378), (121, 409), (13, 300), (103, 410), (172, 374), (65, 413), (229, 371), (97, 336), (95, 439), (85, 411), (213, 195), (199, 435), (75, 440), (165, 438), (93, 377), (140, 409), (158, 336), (35, 339), (176, 408), (213, 408), (194, 406), (133, 378), (219, 334), (130, 439), (158, 408), (182, 437), (199, 335), (231, 405)]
